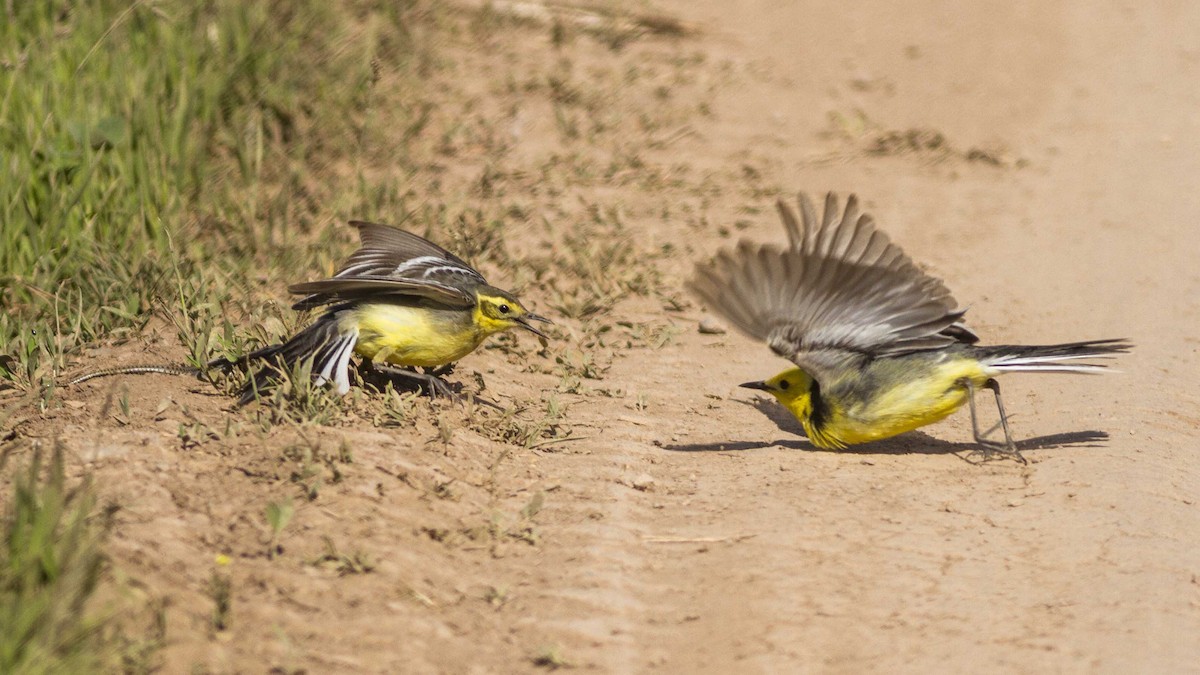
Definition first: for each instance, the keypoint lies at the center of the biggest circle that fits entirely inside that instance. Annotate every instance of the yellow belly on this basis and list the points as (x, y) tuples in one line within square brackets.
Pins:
[(901, 407), (404, 335)]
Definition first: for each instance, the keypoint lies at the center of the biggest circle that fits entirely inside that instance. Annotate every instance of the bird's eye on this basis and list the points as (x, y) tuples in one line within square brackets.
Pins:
[(784, 384), (504, 309)]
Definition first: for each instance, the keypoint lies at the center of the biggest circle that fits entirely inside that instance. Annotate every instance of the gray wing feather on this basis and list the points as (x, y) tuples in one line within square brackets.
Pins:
[(357, 288), (841, 290), (385, 249), (391, 261)]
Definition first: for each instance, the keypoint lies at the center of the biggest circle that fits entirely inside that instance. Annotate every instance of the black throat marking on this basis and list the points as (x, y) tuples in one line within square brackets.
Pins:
[(819, 413)]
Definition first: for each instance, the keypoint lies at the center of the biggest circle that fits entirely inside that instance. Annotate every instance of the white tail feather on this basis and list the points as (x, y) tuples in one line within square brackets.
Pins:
[(1024, 366), (1020, 360), (334, 369), (343, 365)]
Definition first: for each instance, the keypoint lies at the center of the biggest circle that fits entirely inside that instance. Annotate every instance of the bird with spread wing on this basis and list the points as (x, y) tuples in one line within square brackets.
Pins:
[(400, 302), (879, 345)]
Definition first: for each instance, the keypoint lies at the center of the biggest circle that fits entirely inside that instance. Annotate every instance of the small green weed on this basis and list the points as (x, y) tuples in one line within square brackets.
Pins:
[(278, 514), (51, 564), (355, 562)]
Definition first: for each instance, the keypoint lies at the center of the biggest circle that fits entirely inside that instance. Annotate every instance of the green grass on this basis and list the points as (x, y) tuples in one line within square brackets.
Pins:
[(158, 159), (139, 137), (51, 565)]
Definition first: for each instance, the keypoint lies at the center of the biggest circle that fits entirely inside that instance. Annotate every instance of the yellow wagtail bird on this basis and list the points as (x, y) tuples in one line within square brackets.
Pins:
[(879, 345), (399, 302)]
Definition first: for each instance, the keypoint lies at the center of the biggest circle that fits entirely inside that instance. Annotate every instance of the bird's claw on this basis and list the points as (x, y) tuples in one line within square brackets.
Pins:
[(990, 451), (430, 382)]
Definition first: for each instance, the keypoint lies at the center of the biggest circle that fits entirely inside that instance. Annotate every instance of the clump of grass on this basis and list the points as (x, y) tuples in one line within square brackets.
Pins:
[(292, 397), (51, 564), (396, 409), (344, 564)]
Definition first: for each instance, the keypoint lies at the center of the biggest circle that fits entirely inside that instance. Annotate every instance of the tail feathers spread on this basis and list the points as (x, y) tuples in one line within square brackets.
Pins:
[(1051, 358), (324, 342)]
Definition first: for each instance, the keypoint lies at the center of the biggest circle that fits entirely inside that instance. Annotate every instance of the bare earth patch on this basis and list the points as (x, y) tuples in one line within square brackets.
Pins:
[(623, 507)]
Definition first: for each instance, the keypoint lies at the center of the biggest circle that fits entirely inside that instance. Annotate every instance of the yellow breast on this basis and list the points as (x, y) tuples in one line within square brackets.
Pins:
[(900, 404), (406, 335)]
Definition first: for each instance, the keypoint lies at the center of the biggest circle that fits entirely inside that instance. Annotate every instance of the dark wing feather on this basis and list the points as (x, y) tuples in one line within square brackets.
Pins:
[(391, 261), (386, 248), (840, 291), (358, 288)]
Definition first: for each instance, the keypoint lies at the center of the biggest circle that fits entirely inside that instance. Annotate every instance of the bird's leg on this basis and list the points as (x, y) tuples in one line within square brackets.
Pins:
[(434, 385), (442, 370), (1008, 447)]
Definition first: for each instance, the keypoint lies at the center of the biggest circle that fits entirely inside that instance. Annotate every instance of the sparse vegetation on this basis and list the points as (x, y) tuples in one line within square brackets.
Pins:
[(167, 169), (355, 562), (866, 136)]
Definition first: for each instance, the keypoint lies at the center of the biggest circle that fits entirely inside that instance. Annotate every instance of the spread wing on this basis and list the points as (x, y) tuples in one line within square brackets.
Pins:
[(391, 261), (841, 291)]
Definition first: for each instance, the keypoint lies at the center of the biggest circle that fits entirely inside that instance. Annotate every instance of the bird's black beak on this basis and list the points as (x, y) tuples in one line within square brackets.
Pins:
[(755, 385), (524, 320)]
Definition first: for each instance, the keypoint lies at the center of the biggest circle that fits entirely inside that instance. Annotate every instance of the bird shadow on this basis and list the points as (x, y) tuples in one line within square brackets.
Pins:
[(912, 443)]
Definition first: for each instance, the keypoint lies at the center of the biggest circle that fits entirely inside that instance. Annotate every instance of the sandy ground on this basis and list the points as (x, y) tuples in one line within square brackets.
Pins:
[(689, 528)]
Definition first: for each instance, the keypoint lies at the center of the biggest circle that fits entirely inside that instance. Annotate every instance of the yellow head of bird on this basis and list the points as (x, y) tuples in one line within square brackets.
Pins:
[(788, 386), (497, 310)]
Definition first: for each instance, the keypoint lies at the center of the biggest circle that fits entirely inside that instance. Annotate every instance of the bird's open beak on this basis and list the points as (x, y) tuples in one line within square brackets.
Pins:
[(755, 385), (527, 317)]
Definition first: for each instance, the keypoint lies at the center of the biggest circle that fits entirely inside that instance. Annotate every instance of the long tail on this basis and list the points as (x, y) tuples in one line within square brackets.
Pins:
[(326, 342), (1051, 358)]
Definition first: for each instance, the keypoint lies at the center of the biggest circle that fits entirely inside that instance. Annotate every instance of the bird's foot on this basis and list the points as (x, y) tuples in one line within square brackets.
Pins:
[(990, 451), (431, 383), (441, 371)]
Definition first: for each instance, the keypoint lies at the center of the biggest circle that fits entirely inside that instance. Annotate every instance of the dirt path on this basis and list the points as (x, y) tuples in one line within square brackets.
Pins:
[(770, 557), (1039, 157)]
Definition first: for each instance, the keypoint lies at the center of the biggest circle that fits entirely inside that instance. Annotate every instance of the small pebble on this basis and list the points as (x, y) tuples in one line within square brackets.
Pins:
[(710, 326)]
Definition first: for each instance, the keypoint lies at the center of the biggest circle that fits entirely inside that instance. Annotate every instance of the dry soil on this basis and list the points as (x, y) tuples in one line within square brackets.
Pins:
[(1041, 157)]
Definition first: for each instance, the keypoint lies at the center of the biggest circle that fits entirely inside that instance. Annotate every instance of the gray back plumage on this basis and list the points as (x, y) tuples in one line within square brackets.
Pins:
[(841, 291), (393, 262)]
